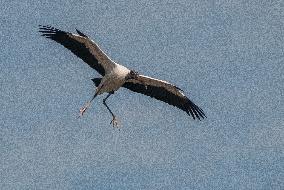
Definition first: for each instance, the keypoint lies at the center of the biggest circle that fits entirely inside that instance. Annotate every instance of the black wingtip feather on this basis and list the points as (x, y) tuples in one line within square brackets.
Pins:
[(49, 30), (194, 111), (52, 33), (190, 113)]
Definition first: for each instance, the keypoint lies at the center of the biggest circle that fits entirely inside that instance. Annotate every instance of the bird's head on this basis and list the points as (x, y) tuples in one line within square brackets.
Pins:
[(132, 75)]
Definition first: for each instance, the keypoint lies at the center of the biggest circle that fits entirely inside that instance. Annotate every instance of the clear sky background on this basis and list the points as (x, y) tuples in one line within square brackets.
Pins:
[(227, 55)]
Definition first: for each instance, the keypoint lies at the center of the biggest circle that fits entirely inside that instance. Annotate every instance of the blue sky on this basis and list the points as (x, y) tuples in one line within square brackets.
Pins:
[(227, 56)]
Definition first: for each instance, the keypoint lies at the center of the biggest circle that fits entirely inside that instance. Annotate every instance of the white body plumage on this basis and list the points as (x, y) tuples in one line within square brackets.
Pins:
[(113, 80)]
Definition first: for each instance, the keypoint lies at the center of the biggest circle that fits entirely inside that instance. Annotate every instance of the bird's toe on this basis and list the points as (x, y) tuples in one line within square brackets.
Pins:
[(115, 122), (83, 109)]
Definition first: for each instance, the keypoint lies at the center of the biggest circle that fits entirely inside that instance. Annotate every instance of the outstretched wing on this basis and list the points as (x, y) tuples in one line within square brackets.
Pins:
[(81, 46), (166, 92)]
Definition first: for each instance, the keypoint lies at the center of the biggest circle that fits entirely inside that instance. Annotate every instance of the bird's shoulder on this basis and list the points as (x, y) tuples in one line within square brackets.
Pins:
[(120, 69)]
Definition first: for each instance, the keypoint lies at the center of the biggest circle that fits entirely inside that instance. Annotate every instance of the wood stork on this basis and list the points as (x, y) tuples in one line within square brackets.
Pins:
[(116, 75)]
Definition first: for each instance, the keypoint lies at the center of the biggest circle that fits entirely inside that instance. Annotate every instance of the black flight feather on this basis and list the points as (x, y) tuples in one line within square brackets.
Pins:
[(162, 94), (77, 47)]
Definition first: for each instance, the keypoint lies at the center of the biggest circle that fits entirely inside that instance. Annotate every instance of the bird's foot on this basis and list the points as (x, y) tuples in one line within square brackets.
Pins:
[(115, 122), (84, 108)]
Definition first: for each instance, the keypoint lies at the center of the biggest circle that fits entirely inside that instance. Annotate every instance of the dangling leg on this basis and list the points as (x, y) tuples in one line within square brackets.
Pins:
[(114, 120), (86, 106)]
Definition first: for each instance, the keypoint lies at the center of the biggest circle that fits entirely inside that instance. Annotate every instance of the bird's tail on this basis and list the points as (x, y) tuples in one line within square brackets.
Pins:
[(97, 81)]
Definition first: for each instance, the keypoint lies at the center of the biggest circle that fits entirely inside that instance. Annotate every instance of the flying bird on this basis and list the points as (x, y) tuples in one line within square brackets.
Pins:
[(115, 75)]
